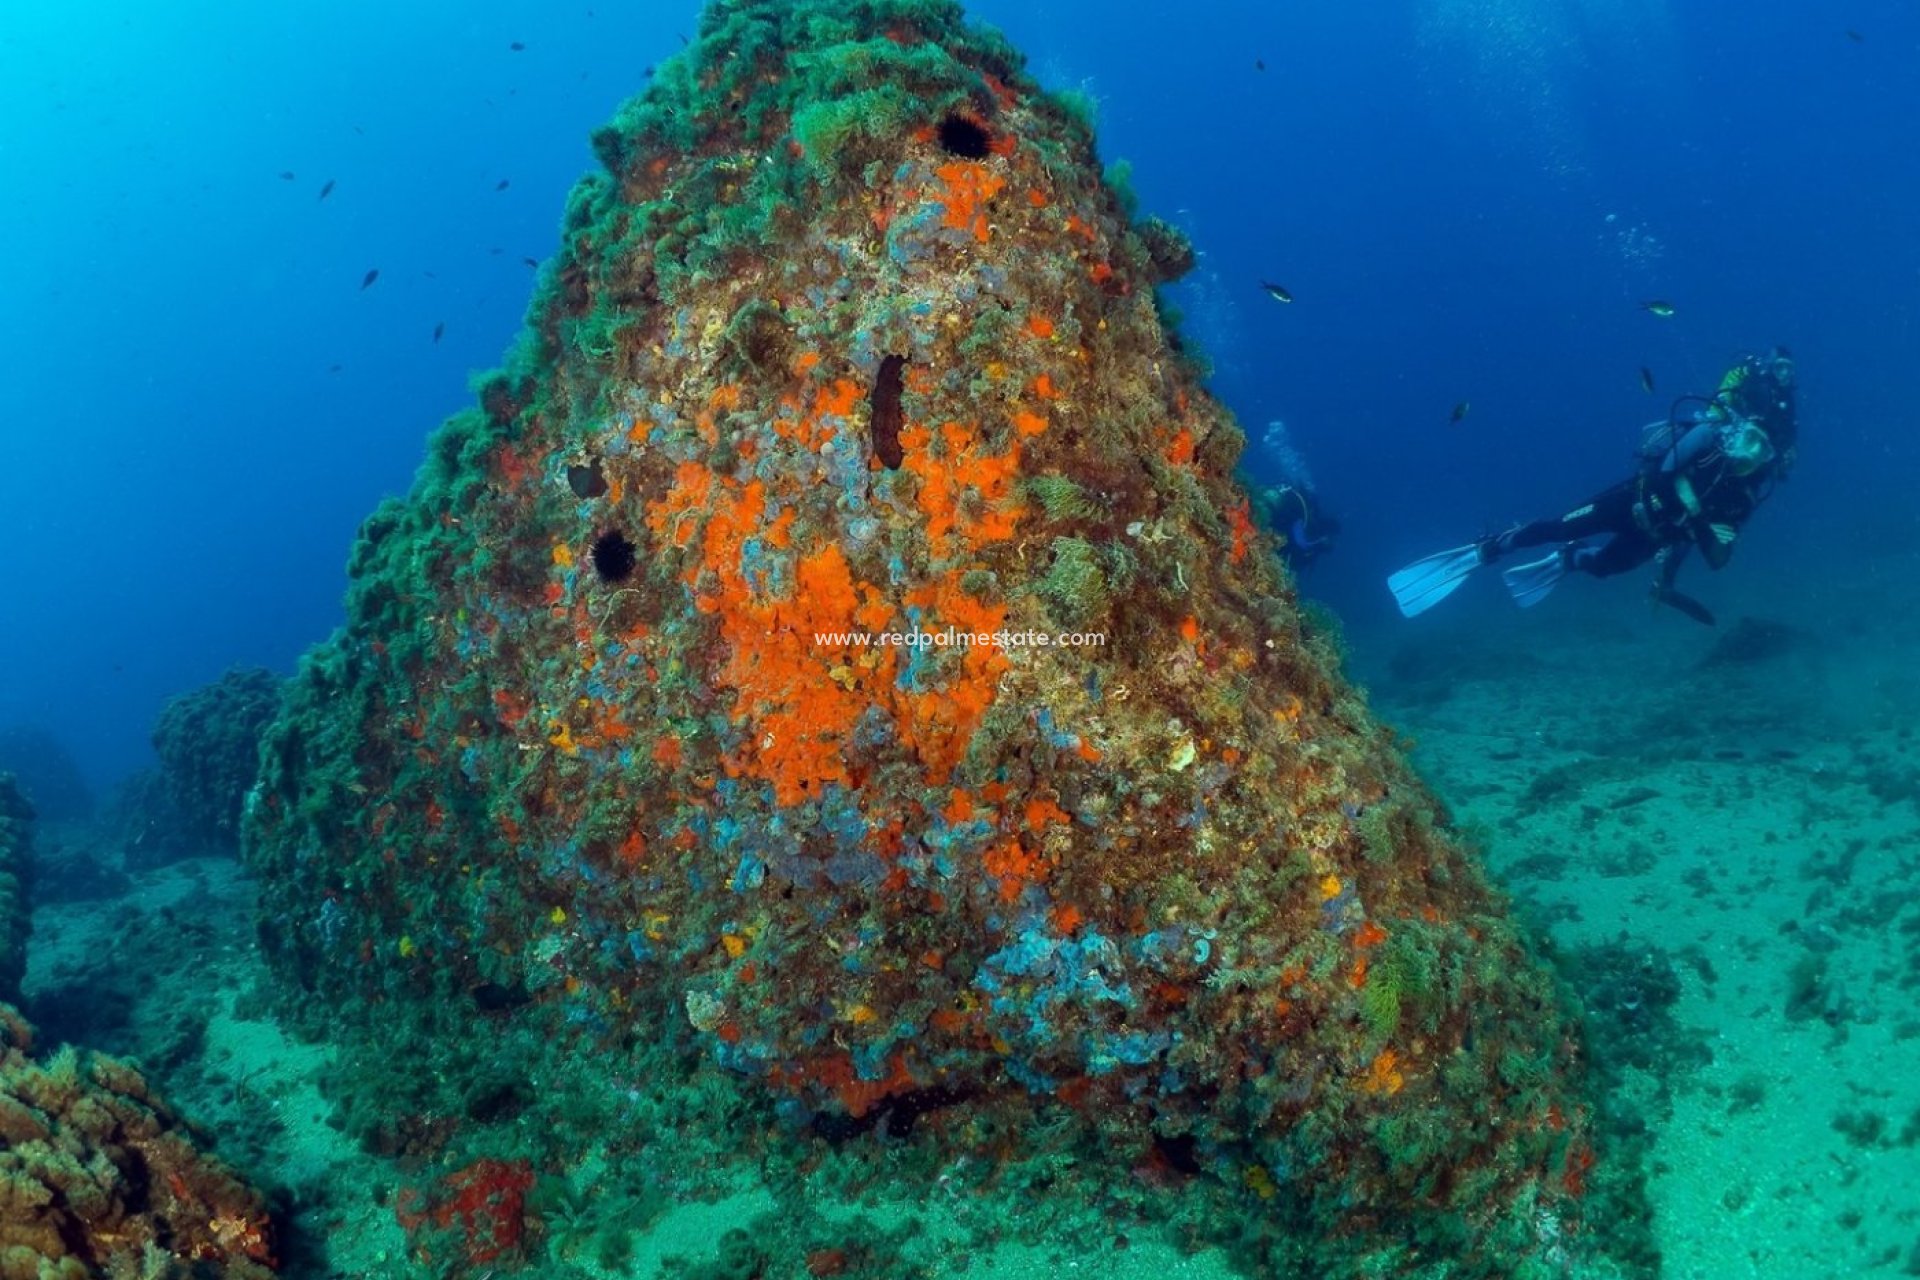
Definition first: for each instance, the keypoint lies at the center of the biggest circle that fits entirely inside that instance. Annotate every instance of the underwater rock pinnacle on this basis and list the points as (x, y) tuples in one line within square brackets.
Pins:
[(850, 337)]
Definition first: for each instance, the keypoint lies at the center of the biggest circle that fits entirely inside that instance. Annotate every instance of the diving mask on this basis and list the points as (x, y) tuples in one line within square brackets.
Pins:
[(1745, 445)]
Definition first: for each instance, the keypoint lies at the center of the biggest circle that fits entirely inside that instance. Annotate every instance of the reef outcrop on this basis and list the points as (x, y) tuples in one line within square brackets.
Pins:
[(836, 662), (98, 1180), (208, 742)]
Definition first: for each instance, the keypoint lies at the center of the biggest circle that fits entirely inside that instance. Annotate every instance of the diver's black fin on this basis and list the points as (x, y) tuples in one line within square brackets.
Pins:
[(1685, 604)]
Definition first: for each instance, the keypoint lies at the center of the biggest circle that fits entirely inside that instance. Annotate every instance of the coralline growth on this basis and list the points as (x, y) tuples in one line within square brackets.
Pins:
[(98, 1181), (850, 336)]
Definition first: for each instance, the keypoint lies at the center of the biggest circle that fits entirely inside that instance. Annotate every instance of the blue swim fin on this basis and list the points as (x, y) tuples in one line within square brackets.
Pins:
[(1425, 583), (1530, 583)]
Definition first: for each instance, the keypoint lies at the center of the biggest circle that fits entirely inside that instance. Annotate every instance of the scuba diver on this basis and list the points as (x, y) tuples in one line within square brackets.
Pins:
[(1291, 505), (1703, 471), (1306, 529)]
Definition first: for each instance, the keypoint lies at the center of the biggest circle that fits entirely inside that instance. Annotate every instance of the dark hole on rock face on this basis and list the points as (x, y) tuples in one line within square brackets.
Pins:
[(836, 1127), (613, 556), (1180, 1152), (914, 1103), (492, 997), (500, 1101), (886, 420), (965, 138), (585, 479)]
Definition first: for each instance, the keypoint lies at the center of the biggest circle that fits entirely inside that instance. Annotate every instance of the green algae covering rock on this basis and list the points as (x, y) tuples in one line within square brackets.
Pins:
[(208, 742), (621, 758)]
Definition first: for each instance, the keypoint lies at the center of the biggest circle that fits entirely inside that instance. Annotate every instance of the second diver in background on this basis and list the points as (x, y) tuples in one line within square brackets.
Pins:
[(1703, 472), (1293, 510), (1290, 505)]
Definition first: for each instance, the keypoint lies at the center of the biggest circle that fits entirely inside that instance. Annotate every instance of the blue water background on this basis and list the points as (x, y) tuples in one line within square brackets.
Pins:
[(1468, 199)]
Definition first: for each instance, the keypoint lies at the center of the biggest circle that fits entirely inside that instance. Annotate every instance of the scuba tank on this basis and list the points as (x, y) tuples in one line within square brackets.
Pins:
[(1740, 439), (1659, 439)]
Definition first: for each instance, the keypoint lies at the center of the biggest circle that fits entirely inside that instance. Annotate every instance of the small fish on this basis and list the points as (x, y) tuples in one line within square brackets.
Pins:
[(532, 262), (1259, 64), (1646, 379), (1855, 36), (1276, 292), (286, 175), (503, 184), (517, 47), (1459, 413), (366, 281), (646, 72), (438, 330), (1658, 306), (335, 368), (326, 188)]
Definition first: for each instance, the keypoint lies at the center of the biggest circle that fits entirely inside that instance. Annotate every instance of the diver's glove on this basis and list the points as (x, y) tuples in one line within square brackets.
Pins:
[(1715, 540)]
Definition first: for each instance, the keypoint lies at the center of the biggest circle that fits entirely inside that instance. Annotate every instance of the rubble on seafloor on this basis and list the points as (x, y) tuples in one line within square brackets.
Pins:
[(598, 824)]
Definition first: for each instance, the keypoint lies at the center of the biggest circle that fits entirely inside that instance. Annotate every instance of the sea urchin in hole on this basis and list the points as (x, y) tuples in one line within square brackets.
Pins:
[(965, 138), (614, 556)]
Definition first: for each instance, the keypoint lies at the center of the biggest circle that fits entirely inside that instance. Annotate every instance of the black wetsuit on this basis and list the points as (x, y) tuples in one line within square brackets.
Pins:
[(1691, 496)]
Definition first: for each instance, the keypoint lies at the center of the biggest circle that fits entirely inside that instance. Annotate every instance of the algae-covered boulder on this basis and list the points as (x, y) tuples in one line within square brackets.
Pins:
[(835, 664), (98, 1179), (209, 747)]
